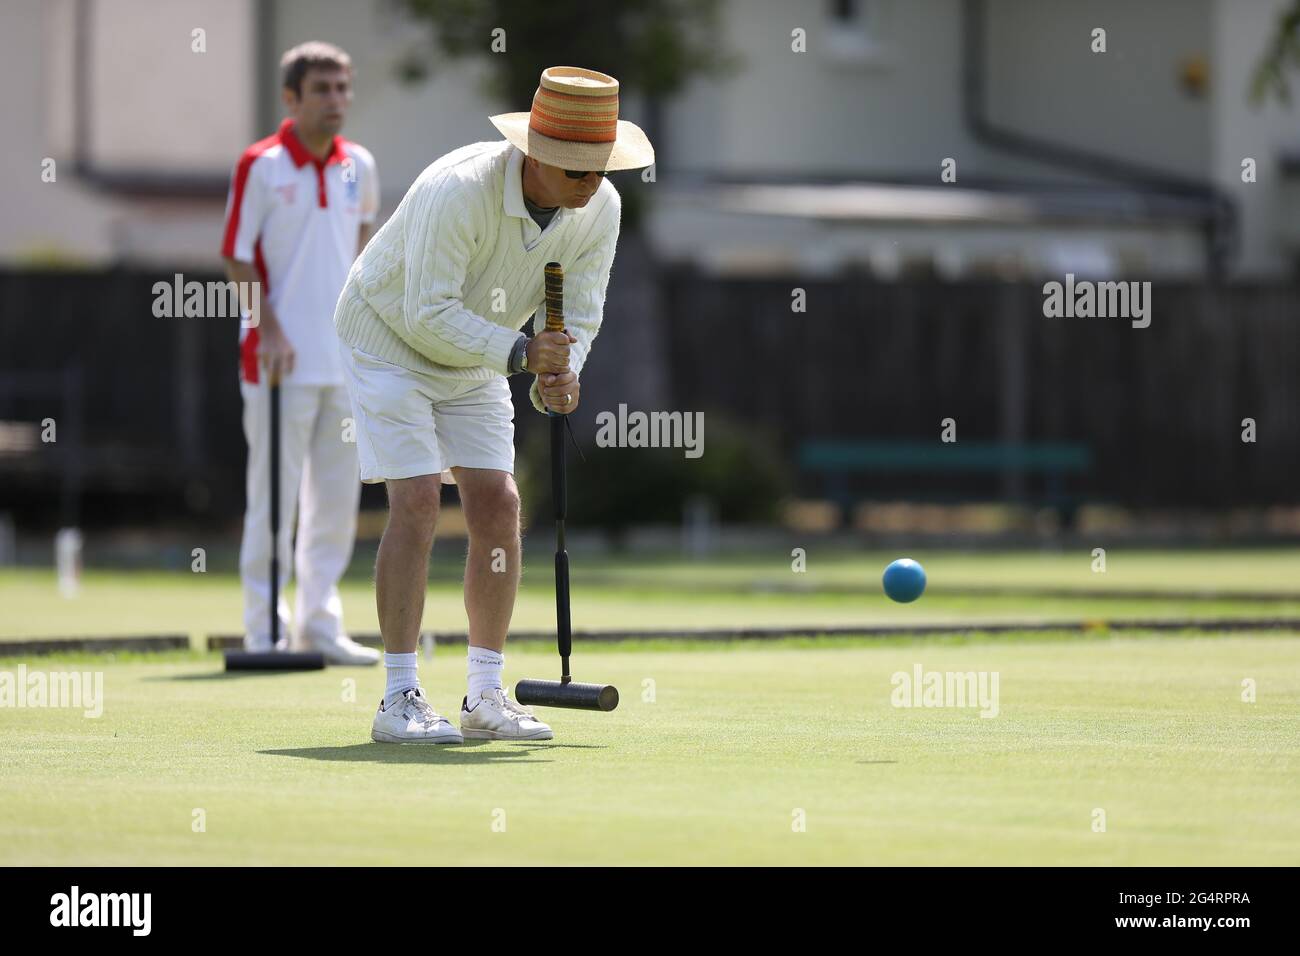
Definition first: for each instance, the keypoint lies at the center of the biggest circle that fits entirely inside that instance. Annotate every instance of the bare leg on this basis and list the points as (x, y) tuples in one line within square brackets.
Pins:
[(492, 569), (402, 566)]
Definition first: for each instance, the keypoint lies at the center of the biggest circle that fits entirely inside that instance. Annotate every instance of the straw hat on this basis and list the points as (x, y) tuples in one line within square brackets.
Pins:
[(574, 124)]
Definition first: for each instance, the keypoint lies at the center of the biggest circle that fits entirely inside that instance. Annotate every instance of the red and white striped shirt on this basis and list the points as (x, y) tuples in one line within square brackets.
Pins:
[(297, 218)]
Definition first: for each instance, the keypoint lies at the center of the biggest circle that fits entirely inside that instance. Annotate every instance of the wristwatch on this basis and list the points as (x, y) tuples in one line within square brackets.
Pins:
[(519, 355)]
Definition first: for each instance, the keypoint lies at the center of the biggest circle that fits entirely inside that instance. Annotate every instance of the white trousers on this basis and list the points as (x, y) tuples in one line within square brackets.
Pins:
[(319, 486)]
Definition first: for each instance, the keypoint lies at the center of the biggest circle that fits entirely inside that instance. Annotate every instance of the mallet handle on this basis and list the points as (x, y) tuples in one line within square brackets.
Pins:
[(275, 513), (559, 485)]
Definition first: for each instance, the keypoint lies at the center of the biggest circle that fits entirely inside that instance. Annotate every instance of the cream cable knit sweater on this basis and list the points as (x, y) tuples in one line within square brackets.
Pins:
[(446, 284)]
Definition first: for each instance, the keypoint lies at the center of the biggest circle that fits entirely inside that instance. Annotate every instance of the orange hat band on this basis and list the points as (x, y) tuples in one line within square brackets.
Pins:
[(576, 119)]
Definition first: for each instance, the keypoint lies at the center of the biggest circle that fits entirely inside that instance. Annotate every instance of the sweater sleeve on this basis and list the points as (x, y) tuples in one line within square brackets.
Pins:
[(441, 237), (585, 282)]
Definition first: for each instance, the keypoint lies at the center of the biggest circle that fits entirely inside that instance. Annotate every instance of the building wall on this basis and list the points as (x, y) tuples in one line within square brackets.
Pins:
[(42, 219), (894, 110), (1129, 102), (1241, 28), (899, 112), (406, 126), (154, 96), (150, 107)]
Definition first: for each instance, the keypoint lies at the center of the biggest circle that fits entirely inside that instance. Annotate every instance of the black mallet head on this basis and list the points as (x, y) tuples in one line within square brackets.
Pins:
[(275, 661), (575, 696)]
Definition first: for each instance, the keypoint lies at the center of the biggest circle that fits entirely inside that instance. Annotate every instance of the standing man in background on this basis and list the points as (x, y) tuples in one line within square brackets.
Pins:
[(302, 206)]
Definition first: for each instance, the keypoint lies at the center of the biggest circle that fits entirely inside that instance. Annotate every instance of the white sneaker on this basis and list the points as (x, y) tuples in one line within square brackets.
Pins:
[(410, 720), (261, 643), (495, 716), (341, 649)]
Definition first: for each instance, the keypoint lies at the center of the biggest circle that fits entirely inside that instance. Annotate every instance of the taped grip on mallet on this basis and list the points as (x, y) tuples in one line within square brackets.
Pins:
[(554, 297)]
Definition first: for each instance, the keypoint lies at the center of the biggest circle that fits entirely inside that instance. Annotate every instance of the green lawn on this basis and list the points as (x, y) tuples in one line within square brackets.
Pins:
[(759, 590), (1232, 571), (737, 740)]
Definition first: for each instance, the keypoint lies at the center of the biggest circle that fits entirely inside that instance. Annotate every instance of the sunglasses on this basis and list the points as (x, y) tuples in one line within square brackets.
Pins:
[(579, 173)]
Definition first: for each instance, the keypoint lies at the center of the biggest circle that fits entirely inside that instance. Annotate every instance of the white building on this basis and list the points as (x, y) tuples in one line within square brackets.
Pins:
[(803, 161)]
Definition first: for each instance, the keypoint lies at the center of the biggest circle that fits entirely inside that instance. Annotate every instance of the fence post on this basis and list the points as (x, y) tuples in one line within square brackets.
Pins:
[(1013, 388)]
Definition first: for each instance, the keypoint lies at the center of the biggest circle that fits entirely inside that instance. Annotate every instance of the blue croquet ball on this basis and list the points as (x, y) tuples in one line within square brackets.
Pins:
[(904, 580)]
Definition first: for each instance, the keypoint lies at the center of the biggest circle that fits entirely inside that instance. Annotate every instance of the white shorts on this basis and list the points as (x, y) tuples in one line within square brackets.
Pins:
[(410, 423)]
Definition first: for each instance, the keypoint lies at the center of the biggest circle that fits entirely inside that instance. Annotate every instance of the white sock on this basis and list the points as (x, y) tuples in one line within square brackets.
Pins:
[(485, 668), (403, 674)]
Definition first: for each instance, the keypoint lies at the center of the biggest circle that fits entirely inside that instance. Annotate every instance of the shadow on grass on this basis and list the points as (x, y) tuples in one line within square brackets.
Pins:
[(227, 675), (470, 752)]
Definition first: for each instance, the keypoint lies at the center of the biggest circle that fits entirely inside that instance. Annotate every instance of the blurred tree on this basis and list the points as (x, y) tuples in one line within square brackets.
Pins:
[(743, 474), (1281, 54), (653, 47)]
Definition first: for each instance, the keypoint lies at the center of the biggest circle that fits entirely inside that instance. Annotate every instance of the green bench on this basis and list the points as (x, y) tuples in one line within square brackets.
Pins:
[(837, 460)]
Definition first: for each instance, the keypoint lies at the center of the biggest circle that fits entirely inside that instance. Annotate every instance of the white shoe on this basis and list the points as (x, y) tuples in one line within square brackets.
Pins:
[(341, 649), (495, 716), (261, 643), (410, 720)]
